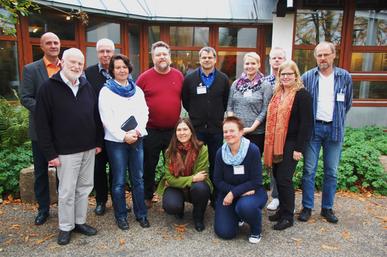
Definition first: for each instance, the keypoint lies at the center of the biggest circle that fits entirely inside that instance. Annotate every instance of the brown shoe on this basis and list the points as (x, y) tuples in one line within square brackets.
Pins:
[(148, 204)]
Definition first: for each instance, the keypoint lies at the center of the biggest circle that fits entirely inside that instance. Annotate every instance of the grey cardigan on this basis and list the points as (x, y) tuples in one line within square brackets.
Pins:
[(251, 107)]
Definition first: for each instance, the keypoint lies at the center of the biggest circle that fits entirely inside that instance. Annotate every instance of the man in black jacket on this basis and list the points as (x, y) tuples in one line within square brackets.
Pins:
[(97, 75), (69, 133), (205, 95)]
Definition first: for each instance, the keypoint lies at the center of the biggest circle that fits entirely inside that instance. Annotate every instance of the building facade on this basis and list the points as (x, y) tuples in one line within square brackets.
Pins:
[(358, 28)]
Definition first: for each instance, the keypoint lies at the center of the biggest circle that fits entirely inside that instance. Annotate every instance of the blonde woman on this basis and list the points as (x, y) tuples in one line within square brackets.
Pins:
[(288, 128)]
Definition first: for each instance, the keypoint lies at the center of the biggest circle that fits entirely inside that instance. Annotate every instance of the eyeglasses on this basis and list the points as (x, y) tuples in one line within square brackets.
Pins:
[(287, 74), (323, 55)]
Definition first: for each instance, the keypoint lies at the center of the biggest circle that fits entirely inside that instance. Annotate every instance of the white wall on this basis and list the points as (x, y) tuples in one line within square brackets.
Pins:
[(283, 33), (361, 116)]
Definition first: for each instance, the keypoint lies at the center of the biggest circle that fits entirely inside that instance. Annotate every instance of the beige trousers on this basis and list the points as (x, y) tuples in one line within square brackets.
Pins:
[(76, 175)]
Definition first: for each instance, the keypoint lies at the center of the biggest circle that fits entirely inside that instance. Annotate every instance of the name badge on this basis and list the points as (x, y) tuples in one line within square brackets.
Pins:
[(239, 170), (340, 97), (247, 93), (201, 90)]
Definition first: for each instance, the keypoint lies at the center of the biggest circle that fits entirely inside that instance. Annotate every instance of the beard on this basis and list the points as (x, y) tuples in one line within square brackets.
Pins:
[(71, 75), (324, 66)]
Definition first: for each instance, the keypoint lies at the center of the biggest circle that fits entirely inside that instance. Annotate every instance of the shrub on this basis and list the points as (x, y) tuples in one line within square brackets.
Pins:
[(359, 165), (15, 148)]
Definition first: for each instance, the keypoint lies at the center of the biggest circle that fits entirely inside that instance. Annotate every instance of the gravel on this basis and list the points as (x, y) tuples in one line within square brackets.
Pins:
[(361, 231)]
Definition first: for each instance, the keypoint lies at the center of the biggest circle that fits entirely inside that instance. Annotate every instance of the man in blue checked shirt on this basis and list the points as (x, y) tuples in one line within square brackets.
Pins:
[(331, 90)]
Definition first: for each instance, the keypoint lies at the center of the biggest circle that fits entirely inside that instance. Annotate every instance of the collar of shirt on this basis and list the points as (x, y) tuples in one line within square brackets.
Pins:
[(207, 80), (103, 71), (51, 68), (67, 81)]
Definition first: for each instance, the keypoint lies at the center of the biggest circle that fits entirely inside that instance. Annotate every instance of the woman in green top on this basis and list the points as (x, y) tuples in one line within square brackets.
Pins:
[(186, 174)]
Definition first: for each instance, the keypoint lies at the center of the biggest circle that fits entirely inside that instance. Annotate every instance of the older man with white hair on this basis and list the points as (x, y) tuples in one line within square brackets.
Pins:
[(69, 133), (97, 75)]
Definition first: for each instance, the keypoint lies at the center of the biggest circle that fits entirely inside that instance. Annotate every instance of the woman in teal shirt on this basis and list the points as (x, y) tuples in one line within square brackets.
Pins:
[(186, 174)]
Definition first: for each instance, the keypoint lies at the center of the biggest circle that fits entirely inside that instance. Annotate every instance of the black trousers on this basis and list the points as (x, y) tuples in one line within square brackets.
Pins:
[(198, 194), (155, 142), (283, 174), (102, 180), (258, 139), (41, 185)]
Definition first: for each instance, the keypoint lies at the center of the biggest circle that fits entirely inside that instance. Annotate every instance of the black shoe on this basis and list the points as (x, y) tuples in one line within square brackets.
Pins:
[(199, 225), (144, 223), (41, 218), (85, 229), (100, 209), (305, 214), (275, 217), (329, 215), (122, 223), (179, 216), (64, 237), (283, 224)]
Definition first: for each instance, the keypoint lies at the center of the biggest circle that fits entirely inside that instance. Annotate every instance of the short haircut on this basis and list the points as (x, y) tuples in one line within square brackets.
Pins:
[(106, 42), (122, 57), (277, 49), (253, 55), (236, 120), (326, 43), (160, 44), (72, 52), (207, 49)]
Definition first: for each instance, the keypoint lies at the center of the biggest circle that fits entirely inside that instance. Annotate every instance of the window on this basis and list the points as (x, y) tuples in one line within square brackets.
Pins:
[(313, 27), (53, 21), (185, 61), (134, 49), (9, 72), (189, 36), (370, 28), (238, 37), (98, 29), (369, 90), (231, 63)]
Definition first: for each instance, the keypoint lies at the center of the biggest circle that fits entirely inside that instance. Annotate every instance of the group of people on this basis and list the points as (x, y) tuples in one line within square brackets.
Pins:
[(83, 121)]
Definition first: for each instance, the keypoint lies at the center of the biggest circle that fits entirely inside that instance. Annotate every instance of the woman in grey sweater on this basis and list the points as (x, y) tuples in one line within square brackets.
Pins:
[(248, 99)]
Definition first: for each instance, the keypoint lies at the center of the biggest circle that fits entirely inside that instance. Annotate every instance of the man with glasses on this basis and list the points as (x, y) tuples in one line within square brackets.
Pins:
[(331, 90), (205, 96), (97, 75)]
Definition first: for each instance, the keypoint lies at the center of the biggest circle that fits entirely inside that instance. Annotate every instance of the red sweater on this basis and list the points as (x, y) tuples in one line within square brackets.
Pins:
[(163, 97)]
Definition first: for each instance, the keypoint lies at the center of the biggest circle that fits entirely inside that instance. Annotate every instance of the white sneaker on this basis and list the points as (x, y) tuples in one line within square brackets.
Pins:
[(241, 223), (254, 239), (273, 205)]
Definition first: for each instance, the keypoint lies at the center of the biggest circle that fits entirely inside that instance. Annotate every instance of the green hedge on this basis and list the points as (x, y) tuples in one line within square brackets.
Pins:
[(359, 167)]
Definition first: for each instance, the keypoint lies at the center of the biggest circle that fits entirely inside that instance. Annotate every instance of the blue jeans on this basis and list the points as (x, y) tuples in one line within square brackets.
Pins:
[(41, 184), (125, 157), (331, 158), (246, 208)]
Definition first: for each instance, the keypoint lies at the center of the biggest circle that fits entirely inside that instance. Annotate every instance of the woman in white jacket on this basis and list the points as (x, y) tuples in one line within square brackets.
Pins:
[(119, 100)]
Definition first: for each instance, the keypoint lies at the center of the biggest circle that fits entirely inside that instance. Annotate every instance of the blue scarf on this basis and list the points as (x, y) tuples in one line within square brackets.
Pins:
[(237, 159), (124, 91)]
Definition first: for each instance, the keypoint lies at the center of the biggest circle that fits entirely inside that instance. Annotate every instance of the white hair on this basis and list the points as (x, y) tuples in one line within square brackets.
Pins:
[(72, 52), (278, 49), (104, 42)]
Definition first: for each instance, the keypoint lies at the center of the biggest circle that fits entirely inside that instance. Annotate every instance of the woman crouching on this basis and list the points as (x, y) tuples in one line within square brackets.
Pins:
[(186, 174)]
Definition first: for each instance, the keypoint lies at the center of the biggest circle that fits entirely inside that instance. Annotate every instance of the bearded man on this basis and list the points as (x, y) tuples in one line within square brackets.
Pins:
[(69, 133)]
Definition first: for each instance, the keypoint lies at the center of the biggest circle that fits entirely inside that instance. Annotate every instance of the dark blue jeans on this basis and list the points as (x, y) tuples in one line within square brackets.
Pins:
[(125, 157), (41, 186), (246, 208)]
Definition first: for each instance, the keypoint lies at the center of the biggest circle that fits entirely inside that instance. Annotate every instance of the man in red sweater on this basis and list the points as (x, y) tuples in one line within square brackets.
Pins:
[(162, 87)]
